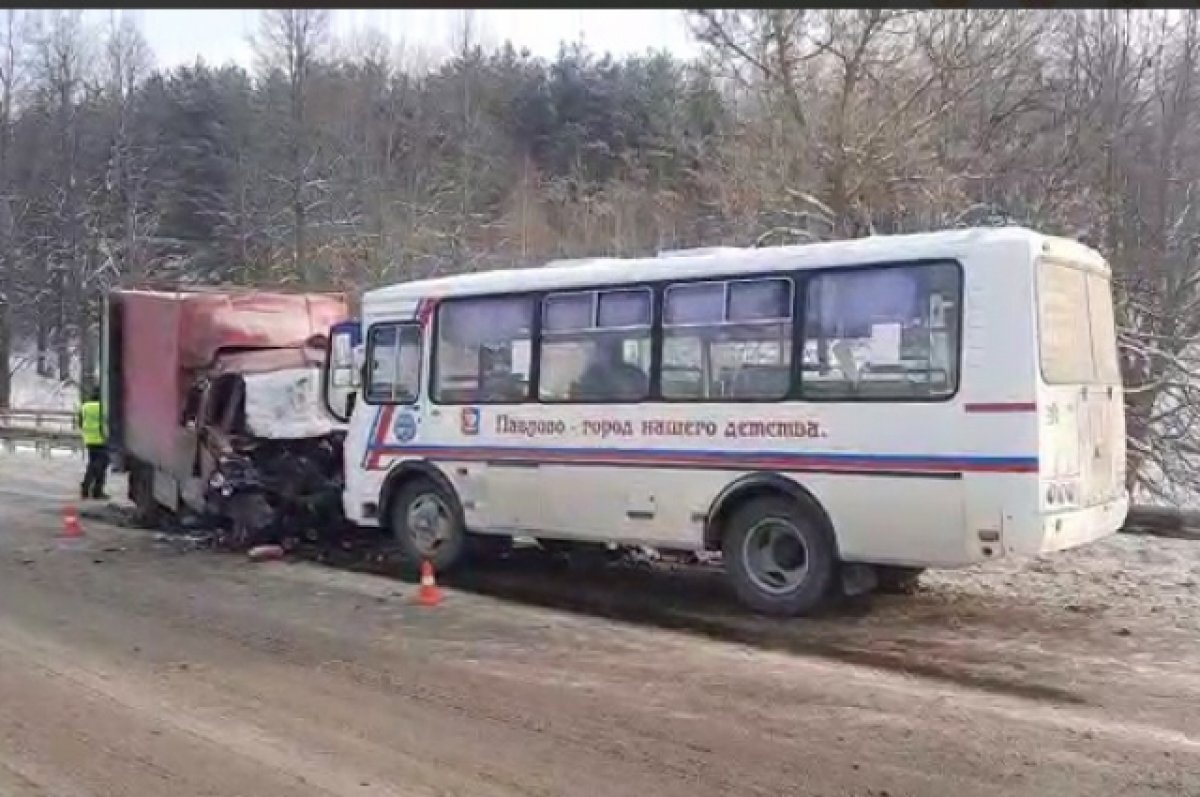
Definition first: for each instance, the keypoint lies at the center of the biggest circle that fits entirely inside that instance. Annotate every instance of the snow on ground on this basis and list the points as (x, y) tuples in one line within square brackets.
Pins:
[(43, 393), (31, 391), (1127, 578)]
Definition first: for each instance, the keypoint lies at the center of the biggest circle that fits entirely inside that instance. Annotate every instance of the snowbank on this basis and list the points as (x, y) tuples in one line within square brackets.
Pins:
[(29, 390), (32, 391)]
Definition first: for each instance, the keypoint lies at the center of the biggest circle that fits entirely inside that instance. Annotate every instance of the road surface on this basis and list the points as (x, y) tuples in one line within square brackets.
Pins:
[(131, 665)]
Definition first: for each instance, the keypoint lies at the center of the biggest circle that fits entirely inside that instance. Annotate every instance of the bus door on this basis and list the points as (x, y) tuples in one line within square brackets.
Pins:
[(511, 485)]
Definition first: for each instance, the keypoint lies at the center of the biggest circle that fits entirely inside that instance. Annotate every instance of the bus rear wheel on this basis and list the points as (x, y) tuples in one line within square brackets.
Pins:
[(779, 559), (427, 525)]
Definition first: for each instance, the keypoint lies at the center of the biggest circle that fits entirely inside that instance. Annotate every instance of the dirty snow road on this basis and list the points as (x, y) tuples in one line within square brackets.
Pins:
[(134, 667)]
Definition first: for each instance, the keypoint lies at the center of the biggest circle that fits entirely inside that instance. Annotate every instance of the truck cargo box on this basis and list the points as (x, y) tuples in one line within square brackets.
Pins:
[(158, 342)]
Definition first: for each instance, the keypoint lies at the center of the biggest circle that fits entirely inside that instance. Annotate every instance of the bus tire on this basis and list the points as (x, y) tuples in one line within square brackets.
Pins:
[(428, 525), (897, 580), (780, 559)]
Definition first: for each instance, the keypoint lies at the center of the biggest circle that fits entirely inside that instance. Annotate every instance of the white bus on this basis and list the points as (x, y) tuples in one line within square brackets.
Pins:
[(898, 402)]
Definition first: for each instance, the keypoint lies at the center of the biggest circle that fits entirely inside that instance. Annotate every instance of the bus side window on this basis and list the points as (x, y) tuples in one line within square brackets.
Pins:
[(728, 341), (596, 346), (483, 352), (393, 364), (882, 333)]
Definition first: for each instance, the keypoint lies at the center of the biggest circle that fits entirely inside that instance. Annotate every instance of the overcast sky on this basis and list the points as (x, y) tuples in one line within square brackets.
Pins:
[(220, 35)]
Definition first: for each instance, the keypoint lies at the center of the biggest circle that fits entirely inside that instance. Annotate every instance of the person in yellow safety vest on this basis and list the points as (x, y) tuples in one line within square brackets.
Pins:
[(91, 426)]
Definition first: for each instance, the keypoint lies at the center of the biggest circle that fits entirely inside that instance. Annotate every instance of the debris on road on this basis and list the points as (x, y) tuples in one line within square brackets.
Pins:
[(184, 543), (265, 553), (112, 513)]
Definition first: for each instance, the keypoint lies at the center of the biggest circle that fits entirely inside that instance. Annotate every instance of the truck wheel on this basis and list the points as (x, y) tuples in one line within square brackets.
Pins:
[(897, 580), (779, 558), (427, 525), (147, 512)]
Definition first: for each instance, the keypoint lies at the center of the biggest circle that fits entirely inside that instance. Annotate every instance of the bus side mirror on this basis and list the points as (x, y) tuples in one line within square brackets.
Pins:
[(341, 378)]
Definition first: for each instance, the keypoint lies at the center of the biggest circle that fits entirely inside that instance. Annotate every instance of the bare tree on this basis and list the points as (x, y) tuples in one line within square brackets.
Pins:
[(63, 62), (290, 41), (865, 93), (1146, 106), (467, 49), (128, 60), (10, 63)]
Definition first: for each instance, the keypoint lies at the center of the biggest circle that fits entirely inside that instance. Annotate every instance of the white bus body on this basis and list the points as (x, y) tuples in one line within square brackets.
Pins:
[(956, 398)]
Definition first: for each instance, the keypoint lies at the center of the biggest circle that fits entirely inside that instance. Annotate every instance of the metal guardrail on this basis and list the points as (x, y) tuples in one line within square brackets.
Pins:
[(60, 420), (44, 429)]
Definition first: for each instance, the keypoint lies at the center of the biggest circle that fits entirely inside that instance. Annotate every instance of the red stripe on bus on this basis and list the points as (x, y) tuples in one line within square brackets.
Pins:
[(425, 308), (383, 424), (1026, 406)]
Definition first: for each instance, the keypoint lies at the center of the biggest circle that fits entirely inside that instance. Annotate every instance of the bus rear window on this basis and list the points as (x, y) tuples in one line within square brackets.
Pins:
[(1104, 330), (1076, 329)]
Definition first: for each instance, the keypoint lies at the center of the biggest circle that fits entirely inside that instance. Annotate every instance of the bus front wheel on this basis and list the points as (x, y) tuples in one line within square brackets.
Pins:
[(779, 559), (427, 525)]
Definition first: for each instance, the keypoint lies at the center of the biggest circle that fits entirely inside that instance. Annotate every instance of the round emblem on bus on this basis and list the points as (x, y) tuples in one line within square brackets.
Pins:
[(405, 427)]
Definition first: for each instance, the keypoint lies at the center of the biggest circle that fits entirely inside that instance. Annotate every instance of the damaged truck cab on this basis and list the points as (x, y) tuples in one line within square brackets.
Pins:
[(213, 401)]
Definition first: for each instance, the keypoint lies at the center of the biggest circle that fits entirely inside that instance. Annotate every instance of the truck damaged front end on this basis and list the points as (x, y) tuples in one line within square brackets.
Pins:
[(271, 457)]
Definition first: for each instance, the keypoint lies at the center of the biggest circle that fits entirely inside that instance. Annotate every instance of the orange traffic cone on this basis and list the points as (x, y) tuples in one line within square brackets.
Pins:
[(71, 527), (429, 594)]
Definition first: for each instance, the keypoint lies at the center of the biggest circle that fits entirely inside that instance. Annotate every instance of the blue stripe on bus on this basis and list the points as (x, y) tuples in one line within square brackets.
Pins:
[(729, 458)]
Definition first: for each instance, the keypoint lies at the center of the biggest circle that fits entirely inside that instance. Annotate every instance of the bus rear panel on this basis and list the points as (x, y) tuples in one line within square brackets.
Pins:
[(1081, 421)]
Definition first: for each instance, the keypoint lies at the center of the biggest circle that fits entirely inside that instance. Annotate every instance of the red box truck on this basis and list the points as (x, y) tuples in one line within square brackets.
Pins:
[(213, 404)]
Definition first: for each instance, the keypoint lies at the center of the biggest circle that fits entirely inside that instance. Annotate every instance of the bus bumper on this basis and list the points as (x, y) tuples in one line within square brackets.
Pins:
[(1063, 530)]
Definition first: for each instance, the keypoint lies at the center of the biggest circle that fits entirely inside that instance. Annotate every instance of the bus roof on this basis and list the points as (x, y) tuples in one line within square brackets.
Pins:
[(727, 261)]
